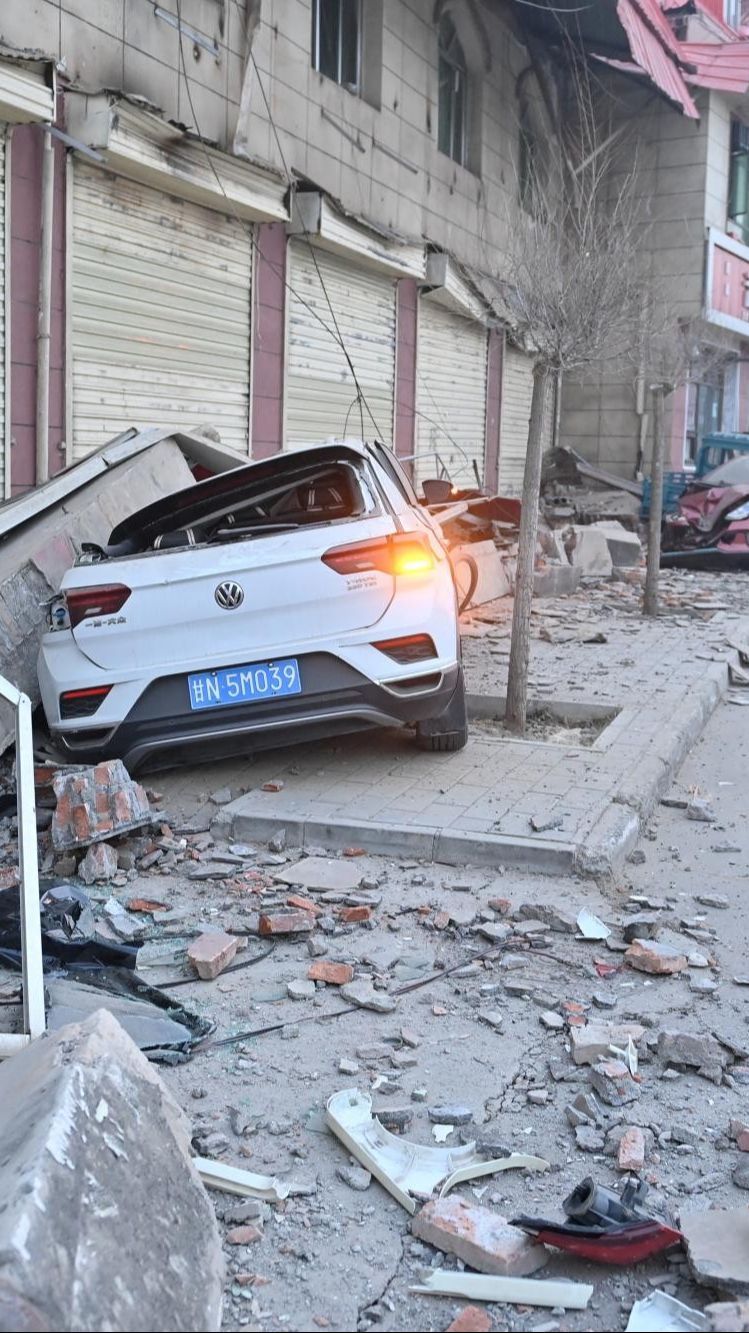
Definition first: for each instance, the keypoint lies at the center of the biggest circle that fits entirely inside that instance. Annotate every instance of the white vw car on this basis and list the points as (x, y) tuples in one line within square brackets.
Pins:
[(297, 597)]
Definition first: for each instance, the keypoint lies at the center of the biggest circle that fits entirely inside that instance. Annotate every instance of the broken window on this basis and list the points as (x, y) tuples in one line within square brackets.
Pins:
[(267, 505), (336, 41), (453, 94)]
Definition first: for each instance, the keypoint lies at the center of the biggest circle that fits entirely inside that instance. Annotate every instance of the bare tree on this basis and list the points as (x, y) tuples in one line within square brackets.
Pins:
[(677, 353), (574, 288)]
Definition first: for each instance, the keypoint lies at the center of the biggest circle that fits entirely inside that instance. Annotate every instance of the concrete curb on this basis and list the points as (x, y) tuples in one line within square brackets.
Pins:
[(618, 830), (542, 855)]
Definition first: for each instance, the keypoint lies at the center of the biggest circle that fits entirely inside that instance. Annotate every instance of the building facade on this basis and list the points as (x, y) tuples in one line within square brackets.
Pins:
[(280, 218), (289, 219)]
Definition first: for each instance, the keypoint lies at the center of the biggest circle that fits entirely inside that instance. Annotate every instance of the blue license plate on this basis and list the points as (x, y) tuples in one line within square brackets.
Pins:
[(244, 684)]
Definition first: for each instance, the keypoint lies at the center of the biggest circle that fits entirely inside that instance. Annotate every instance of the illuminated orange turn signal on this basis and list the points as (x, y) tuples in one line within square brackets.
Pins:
[(404, 553)]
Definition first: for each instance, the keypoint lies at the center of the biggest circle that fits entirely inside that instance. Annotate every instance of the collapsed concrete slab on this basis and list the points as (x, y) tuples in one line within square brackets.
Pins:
[(105, 1223), (625, 547), (42, 532), (588, 551)]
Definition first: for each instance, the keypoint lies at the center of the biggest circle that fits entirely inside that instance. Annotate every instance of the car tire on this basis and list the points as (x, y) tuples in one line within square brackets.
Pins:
[(448, 731)]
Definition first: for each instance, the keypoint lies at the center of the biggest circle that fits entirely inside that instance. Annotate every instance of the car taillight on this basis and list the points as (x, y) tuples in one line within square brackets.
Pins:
[(409, 648), (83, 703), (403, 553), (83, 603)]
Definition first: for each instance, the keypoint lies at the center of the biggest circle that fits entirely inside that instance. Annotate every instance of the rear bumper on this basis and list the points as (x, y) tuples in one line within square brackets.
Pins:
[(161, 729)]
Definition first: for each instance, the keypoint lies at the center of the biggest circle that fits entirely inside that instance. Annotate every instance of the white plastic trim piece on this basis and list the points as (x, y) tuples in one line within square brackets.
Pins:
[(405, 1168), (660, 1313), (219, 1176), (508, 1290)]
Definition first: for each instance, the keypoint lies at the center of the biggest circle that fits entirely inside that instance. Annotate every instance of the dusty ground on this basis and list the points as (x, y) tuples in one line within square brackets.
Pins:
[(334, 1257)]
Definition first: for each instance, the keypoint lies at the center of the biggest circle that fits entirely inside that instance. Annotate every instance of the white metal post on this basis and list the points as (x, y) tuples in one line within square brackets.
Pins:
[(34, 1021)]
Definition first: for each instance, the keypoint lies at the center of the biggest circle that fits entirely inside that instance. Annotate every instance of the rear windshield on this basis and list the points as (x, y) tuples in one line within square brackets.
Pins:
[(733, 473)]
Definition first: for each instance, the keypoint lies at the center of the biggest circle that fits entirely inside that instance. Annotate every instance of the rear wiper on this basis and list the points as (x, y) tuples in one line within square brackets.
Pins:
[(225, 534)]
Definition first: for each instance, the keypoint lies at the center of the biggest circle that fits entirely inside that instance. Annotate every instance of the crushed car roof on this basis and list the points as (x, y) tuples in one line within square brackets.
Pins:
[(188, 506)]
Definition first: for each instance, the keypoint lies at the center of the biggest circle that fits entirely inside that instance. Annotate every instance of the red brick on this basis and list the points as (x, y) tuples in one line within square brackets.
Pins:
[(286, 923), (470, 1320), (651, 956), (9, 877), (361, 913), (481, 1238), (335, 974), (501, 905), (304, 904), (275, 785), (251, 1280), (145, 905), (631, 1153), (246, 1235), (211, 953), (353, 851), (441, 920)]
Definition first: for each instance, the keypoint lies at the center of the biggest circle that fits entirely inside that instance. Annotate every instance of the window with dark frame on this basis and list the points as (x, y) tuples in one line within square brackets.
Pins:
[(738, 181), (452, 115), (336, 41)]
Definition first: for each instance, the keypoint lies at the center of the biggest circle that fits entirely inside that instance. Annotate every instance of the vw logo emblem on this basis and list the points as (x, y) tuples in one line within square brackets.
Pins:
[(229, 596)]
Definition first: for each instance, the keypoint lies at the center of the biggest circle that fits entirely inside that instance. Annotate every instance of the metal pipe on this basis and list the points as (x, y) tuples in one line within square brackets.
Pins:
[(44, 313)]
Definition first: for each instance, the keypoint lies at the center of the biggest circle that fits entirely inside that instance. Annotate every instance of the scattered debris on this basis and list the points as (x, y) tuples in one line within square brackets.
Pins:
[(591, 927), (95, 803), (479, 1237), (661, 1313), (233, 1180), (405, 1168), (209, 954), (717, 1244), (658, 959), (604, 1226), (504, 1290)]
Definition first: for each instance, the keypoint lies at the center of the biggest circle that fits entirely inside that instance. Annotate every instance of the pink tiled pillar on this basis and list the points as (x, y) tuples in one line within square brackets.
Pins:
[(679, 400), (494, 355), (269, 305), (743, 422), (405, 368), (25, 227)]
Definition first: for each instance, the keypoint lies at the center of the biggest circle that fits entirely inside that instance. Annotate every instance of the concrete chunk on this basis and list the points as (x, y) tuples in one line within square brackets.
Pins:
[(105, 1223), (717, 1243), (589, 551), (625, 547), (482, 1239), (592, 1042)]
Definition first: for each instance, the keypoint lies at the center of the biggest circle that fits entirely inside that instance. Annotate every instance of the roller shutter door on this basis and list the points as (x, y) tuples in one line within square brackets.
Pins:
[(321, 396), (161, 307), (450, 395), (517, 391)]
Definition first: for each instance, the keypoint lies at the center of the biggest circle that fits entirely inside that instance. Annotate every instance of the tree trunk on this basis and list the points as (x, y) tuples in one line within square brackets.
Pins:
[(517, 680), (650, 600)]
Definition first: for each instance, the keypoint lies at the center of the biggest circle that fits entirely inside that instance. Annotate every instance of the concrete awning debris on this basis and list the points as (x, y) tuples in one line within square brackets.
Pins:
[(43, 531)]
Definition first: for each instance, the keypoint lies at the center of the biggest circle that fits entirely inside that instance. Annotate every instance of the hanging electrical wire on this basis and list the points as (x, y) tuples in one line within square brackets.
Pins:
[(334, 333)]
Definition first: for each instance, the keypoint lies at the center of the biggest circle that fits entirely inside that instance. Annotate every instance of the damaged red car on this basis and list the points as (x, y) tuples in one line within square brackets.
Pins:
[(710, 529)]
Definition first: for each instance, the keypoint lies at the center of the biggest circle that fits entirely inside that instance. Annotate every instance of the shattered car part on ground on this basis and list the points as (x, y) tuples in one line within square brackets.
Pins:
[(605, 1226), (710, 527), (407, 1169)]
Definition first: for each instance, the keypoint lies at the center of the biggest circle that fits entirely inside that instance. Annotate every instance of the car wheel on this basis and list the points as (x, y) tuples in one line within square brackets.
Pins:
[(448, 731)]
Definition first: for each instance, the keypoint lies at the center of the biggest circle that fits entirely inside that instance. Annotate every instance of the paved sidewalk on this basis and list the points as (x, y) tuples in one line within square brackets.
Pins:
[(660, 680)]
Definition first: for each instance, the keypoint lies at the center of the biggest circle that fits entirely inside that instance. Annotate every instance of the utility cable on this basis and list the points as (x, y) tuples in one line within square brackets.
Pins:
[(335, 335)]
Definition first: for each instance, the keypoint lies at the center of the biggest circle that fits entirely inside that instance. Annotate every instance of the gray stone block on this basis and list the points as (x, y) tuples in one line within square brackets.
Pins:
[(105, 1223)]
